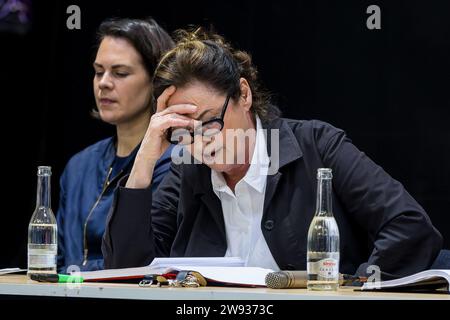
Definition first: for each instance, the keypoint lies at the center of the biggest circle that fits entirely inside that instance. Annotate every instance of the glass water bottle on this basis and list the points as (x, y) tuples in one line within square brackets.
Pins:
[(323, 239), (42, 230)]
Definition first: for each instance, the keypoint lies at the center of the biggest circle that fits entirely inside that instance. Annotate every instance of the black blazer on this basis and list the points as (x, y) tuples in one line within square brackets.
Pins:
[(379, 222)]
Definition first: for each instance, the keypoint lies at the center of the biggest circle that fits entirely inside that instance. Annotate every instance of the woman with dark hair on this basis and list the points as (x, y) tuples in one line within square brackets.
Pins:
[(128, 51), (256, 199)]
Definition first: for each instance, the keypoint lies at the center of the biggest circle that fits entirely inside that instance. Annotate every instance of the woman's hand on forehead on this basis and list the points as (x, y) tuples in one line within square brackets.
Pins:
[(164, 108), (161, 102)]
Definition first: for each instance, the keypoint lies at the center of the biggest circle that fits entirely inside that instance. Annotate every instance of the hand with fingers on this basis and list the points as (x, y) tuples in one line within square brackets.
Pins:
[(154, 143)]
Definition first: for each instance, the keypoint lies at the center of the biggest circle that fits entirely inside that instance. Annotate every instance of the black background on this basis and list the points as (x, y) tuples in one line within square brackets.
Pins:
[(388, 88)]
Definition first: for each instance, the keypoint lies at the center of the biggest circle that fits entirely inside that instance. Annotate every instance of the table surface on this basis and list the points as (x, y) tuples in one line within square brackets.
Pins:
[(20, 285)]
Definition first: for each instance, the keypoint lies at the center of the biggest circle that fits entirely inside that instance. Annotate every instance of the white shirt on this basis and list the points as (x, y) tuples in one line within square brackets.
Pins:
[(242, 210)]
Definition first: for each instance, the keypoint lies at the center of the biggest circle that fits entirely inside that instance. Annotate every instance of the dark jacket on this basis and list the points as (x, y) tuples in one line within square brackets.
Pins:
[(85, 200), (379, 222)]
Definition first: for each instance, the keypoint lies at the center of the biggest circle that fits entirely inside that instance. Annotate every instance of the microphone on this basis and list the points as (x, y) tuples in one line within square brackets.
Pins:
[(286, 279), (298, 279)]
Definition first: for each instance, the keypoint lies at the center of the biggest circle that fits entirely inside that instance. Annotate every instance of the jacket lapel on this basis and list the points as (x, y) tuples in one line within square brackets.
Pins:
[(282, 148), (204, 190), (271, 186)]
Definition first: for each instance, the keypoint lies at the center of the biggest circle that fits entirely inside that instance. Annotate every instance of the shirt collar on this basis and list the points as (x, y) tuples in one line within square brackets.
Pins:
[(257, 173)]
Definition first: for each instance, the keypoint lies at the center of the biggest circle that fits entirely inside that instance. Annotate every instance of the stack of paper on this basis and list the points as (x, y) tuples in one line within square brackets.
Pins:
[(220, 270), (423, 281), (11, 270)]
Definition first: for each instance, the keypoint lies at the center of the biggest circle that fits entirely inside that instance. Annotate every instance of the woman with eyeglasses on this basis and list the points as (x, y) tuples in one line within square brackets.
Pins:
[(127, 54), (248, 185)]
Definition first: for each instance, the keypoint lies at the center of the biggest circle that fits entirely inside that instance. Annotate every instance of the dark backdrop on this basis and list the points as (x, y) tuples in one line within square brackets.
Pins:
[(387, 88)]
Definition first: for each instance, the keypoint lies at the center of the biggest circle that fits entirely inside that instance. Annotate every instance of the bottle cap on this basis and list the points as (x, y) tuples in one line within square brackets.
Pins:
[(324, 173), (44, 170)]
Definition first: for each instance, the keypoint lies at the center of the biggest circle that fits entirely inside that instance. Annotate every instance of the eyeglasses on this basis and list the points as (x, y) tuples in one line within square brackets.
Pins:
[(185, 136)]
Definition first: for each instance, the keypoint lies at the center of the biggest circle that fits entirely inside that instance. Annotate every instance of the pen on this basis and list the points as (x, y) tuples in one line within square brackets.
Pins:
[(55, 278), (351, 280)]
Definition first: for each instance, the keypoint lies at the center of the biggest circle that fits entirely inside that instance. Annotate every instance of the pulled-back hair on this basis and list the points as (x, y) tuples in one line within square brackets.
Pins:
[(206, 57)]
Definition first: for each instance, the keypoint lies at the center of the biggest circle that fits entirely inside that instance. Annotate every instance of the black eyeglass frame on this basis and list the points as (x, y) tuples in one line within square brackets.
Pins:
[(217, 119)]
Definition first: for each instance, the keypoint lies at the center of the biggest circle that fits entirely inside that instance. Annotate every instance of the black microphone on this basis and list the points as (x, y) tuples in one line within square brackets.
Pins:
[(286, 279)]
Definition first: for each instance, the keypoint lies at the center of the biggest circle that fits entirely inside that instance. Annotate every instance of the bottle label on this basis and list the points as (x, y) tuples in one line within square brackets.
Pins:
[(39, 258), (326, 268)]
